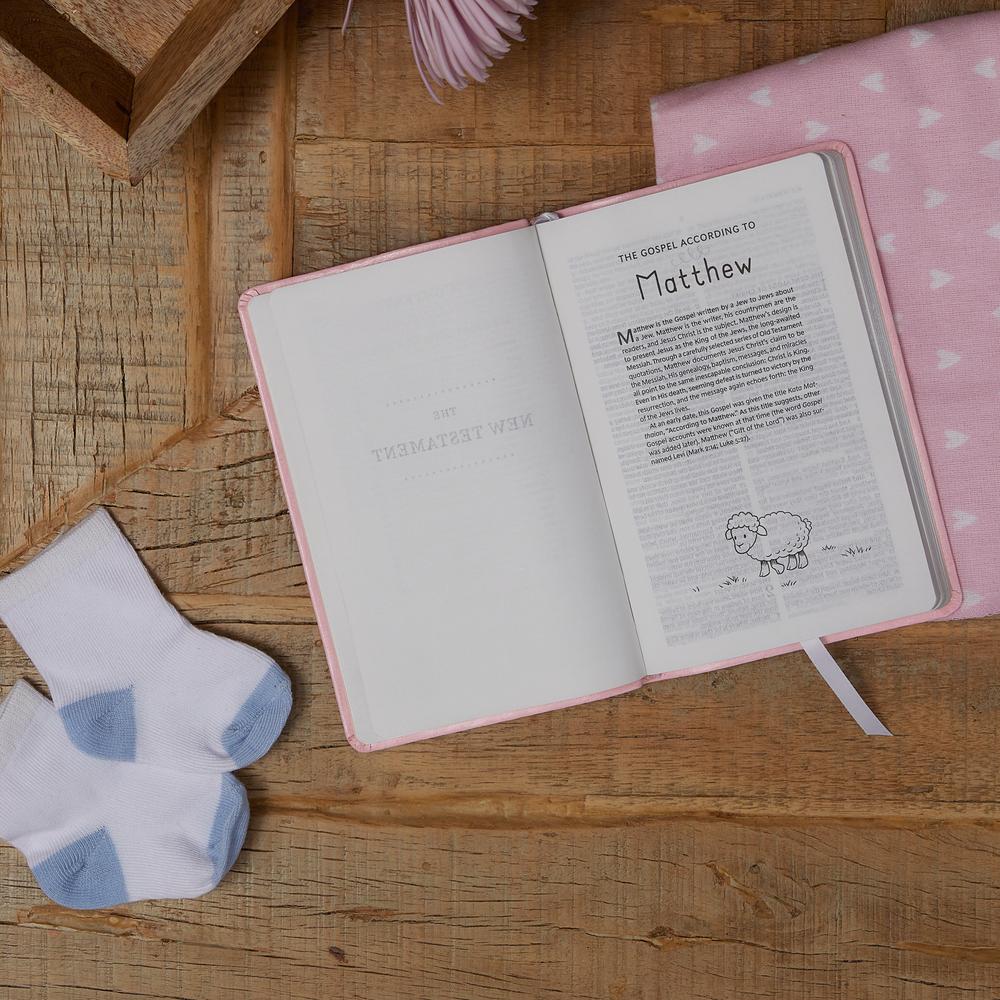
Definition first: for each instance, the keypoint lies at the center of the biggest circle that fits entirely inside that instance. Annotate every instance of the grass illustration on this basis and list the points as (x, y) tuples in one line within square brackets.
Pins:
[(856, 550)]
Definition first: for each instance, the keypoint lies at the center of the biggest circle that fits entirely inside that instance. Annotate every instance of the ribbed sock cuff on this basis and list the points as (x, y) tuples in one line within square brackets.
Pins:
[(95, 533)]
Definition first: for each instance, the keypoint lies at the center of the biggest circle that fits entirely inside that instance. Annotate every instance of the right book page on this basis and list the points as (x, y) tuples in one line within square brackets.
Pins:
[(755, 481)]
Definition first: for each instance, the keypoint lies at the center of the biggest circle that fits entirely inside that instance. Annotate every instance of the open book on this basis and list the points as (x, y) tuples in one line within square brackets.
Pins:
[(552, 461)]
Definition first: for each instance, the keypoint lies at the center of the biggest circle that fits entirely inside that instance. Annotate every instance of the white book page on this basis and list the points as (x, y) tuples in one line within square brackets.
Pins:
[(743, 382), (446, 486)]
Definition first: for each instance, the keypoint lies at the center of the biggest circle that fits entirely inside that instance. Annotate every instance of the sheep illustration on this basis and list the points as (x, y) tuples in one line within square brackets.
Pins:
[(771, 538)]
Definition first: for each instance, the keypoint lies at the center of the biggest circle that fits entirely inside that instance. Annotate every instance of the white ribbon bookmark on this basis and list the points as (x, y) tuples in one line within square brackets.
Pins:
[(830, 671)]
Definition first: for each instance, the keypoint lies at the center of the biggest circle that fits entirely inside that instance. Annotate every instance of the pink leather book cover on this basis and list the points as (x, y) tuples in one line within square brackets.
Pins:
[(303, 543)]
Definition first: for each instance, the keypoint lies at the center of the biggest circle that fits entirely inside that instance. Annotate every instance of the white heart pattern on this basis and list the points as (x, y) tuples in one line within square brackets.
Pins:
[(987, 68), (960, 519), (918, 36), (887, 243), (802, 60), (928, 116), (992, 150), (940, 278), (994, 231), (880, 163), (703, 143), (970, 599), (875, 82), (933, 197), (815, 129), (762, 97), (996, 313), (954, 439), (947, 358)]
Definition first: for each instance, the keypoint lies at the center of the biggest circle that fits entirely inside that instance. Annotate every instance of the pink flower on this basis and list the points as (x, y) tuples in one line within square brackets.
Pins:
[(456, 41)]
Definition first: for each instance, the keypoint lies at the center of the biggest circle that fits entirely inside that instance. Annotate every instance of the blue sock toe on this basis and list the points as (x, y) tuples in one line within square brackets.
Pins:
[(229, 830), (103, 725), (260, 720), (85, 875)]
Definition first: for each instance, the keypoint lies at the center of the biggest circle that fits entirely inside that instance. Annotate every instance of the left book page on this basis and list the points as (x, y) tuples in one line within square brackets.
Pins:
[(436, 456)]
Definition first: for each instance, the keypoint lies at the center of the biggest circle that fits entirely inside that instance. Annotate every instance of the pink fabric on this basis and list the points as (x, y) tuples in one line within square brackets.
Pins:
[(920, 108)]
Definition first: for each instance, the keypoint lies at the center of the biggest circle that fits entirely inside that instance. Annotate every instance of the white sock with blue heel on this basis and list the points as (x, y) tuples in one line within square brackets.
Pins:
[(100, 833), (134, 680)]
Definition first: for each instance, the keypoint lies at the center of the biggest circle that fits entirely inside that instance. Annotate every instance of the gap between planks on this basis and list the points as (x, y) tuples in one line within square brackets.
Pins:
[(521, 811)]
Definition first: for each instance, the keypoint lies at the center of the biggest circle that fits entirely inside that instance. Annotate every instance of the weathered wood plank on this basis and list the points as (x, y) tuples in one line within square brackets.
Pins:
[(194, 62), (355, 198), (93, 319), (232, 534), (132, 33), (70, 59), (120, 327), (383, 167), (585, 76), (688, 908), (903, 12), (250, 207), (122, 82)]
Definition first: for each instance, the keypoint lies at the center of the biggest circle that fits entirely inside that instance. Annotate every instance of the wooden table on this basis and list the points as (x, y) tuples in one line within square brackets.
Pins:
[(726, 836)]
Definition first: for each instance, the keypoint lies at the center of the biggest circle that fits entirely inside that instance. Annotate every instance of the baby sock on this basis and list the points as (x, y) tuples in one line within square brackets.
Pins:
[(133, 679), (99, 833)]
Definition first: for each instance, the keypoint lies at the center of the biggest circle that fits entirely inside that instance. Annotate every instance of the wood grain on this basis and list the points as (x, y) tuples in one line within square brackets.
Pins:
[(119, 330), (133, 33), (70, 58), (723, 836), (33, 87), (686, 908), (122, 82), (190, 67)]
